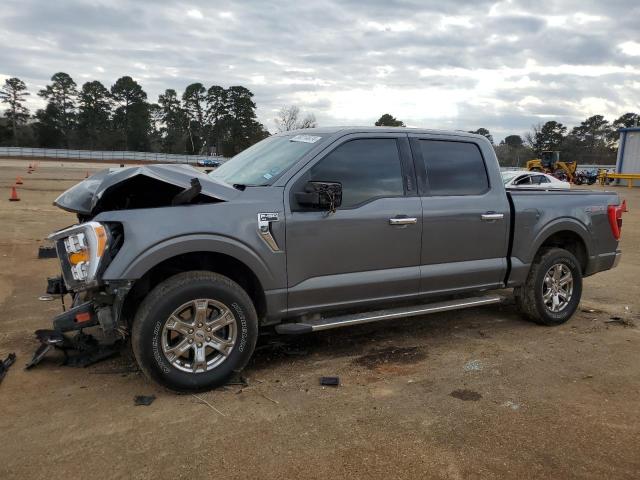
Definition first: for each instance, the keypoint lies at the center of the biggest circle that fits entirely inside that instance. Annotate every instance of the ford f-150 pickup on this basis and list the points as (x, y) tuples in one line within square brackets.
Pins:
[(317, 229)]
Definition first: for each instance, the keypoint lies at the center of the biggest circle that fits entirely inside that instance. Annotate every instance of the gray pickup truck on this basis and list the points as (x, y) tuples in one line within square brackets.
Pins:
[(317, 229)]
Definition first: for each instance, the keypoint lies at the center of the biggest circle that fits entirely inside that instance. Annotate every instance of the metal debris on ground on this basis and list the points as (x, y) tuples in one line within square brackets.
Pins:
[(5, 364), (145, 400), (330, 381), (473, 365), (511, 405)]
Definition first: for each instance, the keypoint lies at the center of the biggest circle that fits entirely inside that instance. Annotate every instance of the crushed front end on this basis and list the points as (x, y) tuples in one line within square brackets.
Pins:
[(84, 252)]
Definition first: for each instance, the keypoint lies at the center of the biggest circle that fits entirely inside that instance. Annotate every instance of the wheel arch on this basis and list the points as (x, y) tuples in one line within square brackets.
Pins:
[(570, 236), (161, 262)]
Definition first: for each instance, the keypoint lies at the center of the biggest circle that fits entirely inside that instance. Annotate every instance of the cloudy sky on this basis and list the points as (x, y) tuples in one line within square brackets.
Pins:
[(458, 64)]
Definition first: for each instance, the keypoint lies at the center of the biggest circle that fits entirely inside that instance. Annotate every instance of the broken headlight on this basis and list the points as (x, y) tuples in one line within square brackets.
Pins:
[(81, 249)]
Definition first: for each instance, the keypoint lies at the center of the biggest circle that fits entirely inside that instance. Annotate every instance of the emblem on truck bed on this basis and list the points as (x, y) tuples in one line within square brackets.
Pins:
[(264, 228)]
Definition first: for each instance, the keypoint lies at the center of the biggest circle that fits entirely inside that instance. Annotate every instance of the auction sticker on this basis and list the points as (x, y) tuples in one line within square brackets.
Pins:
[(305, 138)]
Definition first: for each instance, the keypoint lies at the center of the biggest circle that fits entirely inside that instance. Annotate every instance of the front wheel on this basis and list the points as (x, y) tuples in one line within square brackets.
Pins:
[(194, 330), (552, 291)]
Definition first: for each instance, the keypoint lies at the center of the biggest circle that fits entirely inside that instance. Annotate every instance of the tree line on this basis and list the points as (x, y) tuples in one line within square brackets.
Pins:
[(217, 120), (213, 120), (594, 141)]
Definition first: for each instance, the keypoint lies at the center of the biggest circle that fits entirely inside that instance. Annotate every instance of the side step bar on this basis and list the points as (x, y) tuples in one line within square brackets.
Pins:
[(386, 314)]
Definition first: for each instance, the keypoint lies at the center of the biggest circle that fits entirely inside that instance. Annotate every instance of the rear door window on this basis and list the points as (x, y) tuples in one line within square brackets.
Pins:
[(454, 168)]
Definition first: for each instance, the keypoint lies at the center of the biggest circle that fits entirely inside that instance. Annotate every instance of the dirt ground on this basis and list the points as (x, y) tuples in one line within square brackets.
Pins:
[(473, 394)]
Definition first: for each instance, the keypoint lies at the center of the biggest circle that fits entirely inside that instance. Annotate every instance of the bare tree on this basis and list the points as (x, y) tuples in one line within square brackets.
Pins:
[(289, 119), (308, 121)]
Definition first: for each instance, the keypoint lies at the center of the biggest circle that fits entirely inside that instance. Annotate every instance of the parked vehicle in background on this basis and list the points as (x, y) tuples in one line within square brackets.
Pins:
[(549, 162), (206, 162), (521, 179), (317, 229), (586, 177)]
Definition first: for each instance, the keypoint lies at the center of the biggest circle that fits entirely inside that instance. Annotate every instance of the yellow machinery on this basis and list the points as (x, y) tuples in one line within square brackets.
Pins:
[(605, 177), (549, 162)]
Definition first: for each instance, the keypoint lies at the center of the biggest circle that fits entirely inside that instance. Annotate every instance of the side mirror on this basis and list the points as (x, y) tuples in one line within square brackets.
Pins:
[(320, 195)]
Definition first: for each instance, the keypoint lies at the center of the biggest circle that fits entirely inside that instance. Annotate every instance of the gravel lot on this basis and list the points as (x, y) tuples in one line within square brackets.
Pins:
[(473, 394)]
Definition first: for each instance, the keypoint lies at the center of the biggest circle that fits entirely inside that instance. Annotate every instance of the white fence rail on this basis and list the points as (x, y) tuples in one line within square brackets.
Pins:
[(101, 156)]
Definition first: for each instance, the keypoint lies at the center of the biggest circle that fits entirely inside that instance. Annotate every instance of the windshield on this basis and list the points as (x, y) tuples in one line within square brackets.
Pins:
[(263, 162)]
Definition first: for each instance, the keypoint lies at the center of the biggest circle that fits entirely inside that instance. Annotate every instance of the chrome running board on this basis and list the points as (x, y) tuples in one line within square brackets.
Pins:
[(327, 323)]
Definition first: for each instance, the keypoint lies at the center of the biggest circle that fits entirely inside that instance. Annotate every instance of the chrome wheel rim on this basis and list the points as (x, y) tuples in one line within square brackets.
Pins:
[(557, 287), (199, 335)]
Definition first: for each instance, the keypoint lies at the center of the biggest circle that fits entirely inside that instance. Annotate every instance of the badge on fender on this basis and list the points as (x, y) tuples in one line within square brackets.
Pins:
[(264, 229)]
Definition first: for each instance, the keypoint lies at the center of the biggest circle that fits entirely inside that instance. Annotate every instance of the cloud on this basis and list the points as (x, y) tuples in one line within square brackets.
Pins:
[(503, 65)]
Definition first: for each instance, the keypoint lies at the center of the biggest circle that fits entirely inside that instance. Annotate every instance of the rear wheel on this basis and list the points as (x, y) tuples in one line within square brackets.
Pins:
[(552, 291), (194, 330)]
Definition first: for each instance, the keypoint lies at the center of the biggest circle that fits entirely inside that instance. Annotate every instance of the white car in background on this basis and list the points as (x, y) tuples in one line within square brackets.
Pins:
[(519, 179)]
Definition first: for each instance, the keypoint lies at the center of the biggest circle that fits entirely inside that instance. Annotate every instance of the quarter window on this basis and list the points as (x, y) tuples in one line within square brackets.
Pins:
[(454, 168), (367, 168)]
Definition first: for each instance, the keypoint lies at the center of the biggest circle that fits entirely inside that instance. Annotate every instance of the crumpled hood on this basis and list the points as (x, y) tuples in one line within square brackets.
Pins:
[(83, 197)]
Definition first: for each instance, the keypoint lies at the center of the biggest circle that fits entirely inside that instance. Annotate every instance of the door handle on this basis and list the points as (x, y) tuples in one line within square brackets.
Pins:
[(403, 221), (490, 216)]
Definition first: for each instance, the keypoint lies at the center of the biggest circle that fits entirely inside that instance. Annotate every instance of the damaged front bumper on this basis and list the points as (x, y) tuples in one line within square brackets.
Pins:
[(92, 308)]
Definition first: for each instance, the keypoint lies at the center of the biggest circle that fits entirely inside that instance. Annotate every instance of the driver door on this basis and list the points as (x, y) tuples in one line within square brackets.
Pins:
[(368, 250)]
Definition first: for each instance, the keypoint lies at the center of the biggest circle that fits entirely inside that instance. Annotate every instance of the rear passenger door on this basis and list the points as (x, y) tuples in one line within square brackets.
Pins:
[(465, 218)]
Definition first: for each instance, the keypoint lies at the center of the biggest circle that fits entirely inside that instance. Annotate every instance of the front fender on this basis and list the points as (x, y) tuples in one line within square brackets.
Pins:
[(121, 268), (188, 244)]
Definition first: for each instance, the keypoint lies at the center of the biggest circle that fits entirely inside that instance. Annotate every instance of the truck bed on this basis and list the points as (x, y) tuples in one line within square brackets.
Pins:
[(539, 214)]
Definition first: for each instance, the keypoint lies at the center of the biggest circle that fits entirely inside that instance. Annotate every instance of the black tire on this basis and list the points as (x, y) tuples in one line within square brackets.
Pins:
[(529, 297), (148, 332)]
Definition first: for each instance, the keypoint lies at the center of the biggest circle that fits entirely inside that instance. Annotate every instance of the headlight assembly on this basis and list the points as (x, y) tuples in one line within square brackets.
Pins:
[(81, 249)]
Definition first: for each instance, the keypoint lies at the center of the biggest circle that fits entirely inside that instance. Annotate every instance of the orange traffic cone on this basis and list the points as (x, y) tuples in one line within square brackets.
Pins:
[(14, 195), (18, 180)]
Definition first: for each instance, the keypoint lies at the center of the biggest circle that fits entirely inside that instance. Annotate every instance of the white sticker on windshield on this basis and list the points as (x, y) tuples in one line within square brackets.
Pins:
[(305, 138), (268, 176)]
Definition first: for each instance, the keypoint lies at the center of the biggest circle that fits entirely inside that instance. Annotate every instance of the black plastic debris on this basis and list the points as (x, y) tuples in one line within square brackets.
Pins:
[(5, 364), (56, 286), (145, 400), (81, 350), (330, 381), (237, 380), (47, 252)]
